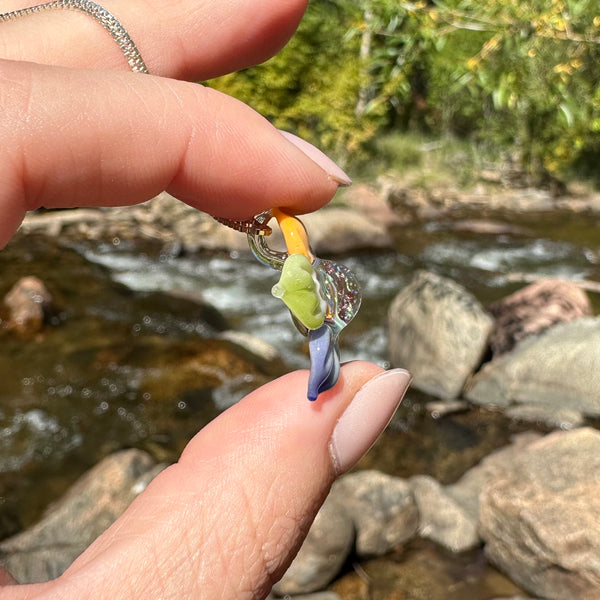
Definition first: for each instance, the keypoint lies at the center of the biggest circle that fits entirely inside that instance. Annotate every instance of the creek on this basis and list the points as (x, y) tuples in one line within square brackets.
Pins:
[(132, 357)]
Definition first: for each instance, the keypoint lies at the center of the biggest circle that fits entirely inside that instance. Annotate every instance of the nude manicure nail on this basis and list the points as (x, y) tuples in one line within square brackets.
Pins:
[(318, 157), (366, 417)]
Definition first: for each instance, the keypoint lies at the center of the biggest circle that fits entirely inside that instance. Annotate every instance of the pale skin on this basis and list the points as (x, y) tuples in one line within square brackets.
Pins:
[(76, 128)]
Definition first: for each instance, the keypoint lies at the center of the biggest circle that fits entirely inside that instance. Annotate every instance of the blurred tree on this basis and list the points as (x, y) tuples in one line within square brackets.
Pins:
[(535, 77), (311, 87), (522, 79)]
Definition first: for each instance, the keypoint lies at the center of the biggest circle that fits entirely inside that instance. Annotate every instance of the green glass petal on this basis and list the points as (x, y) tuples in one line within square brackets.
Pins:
[(299, 289)]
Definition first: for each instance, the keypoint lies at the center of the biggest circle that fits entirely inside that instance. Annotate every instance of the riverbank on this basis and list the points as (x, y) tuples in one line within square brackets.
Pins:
[(362, 218)]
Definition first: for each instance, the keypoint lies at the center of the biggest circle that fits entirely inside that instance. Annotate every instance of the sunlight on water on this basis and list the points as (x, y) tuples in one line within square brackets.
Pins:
[(27, 437), (555, 258), (239, 287)]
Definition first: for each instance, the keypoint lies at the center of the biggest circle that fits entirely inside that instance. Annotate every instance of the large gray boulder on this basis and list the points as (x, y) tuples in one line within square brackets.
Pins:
[(540, 517), (467, 490), (70, 525), (559, 369), (439, 332)]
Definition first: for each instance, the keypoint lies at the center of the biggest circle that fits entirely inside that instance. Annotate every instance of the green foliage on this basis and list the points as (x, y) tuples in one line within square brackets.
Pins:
[(311, 86), (520, 79), (424, 160), (534, 77)]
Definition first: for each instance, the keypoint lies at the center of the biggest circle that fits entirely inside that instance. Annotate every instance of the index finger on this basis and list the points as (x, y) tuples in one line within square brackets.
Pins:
[(73, 137)]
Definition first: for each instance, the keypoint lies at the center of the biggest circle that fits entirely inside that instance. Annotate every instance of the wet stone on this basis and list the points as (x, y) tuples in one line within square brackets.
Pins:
[(423, 572), (540, 515), (382, 509), (27, 304), (441, 409), (264, 356), (324, 551), (442, 519), (439, 332), (70, 525), (534, 308)]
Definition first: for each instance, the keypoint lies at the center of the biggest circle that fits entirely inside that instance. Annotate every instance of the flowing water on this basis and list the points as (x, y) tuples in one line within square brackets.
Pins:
[(107, 372)]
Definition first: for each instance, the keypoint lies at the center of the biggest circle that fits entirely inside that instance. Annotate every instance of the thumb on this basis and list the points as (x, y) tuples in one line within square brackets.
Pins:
[(229, 517)]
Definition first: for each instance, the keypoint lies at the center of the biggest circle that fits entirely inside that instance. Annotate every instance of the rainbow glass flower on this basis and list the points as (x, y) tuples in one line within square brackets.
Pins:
[(321, 295)]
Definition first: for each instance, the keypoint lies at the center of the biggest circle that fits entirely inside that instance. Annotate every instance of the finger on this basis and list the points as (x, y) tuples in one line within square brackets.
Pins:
[(227, 520), (74, 137), (6, 578), (185, 39)]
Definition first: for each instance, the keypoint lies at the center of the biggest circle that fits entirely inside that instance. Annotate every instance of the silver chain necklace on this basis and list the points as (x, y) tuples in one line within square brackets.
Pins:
[(100, 15)]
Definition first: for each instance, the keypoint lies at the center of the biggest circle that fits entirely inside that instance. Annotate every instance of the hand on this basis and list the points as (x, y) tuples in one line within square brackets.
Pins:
[(72, 137), (227, 519)]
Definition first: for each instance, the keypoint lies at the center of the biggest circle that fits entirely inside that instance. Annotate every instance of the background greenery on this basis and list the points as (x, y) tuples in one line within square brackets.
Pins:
[(373, 81)]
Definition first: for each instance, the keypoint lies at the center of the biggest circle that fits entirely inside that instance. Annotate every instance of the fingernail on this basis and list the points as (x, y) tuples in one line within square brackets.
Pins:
[(318, 157), (366, 417)]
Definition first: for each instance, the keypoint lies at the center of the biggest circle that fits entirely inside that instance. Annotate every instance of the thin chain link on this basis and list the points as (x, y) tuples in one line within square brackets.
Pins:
[(134, 58), (100, 15)]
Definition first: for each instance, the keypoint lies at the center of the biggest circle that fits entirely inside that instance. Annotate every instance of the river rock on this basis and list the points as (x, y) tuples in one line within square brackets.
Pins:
[(338, 230), (264, 356), (488, 227), (557, 418), (324, 551), (439, 332), (166, 219), (316, 596), (559, 369), (70, 525), (442, 519), (341, 230), (540, 517), (193, 369), (533, 309), (440, 409), (369, 510), (467, 490), (382, 509), (27, 303)]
